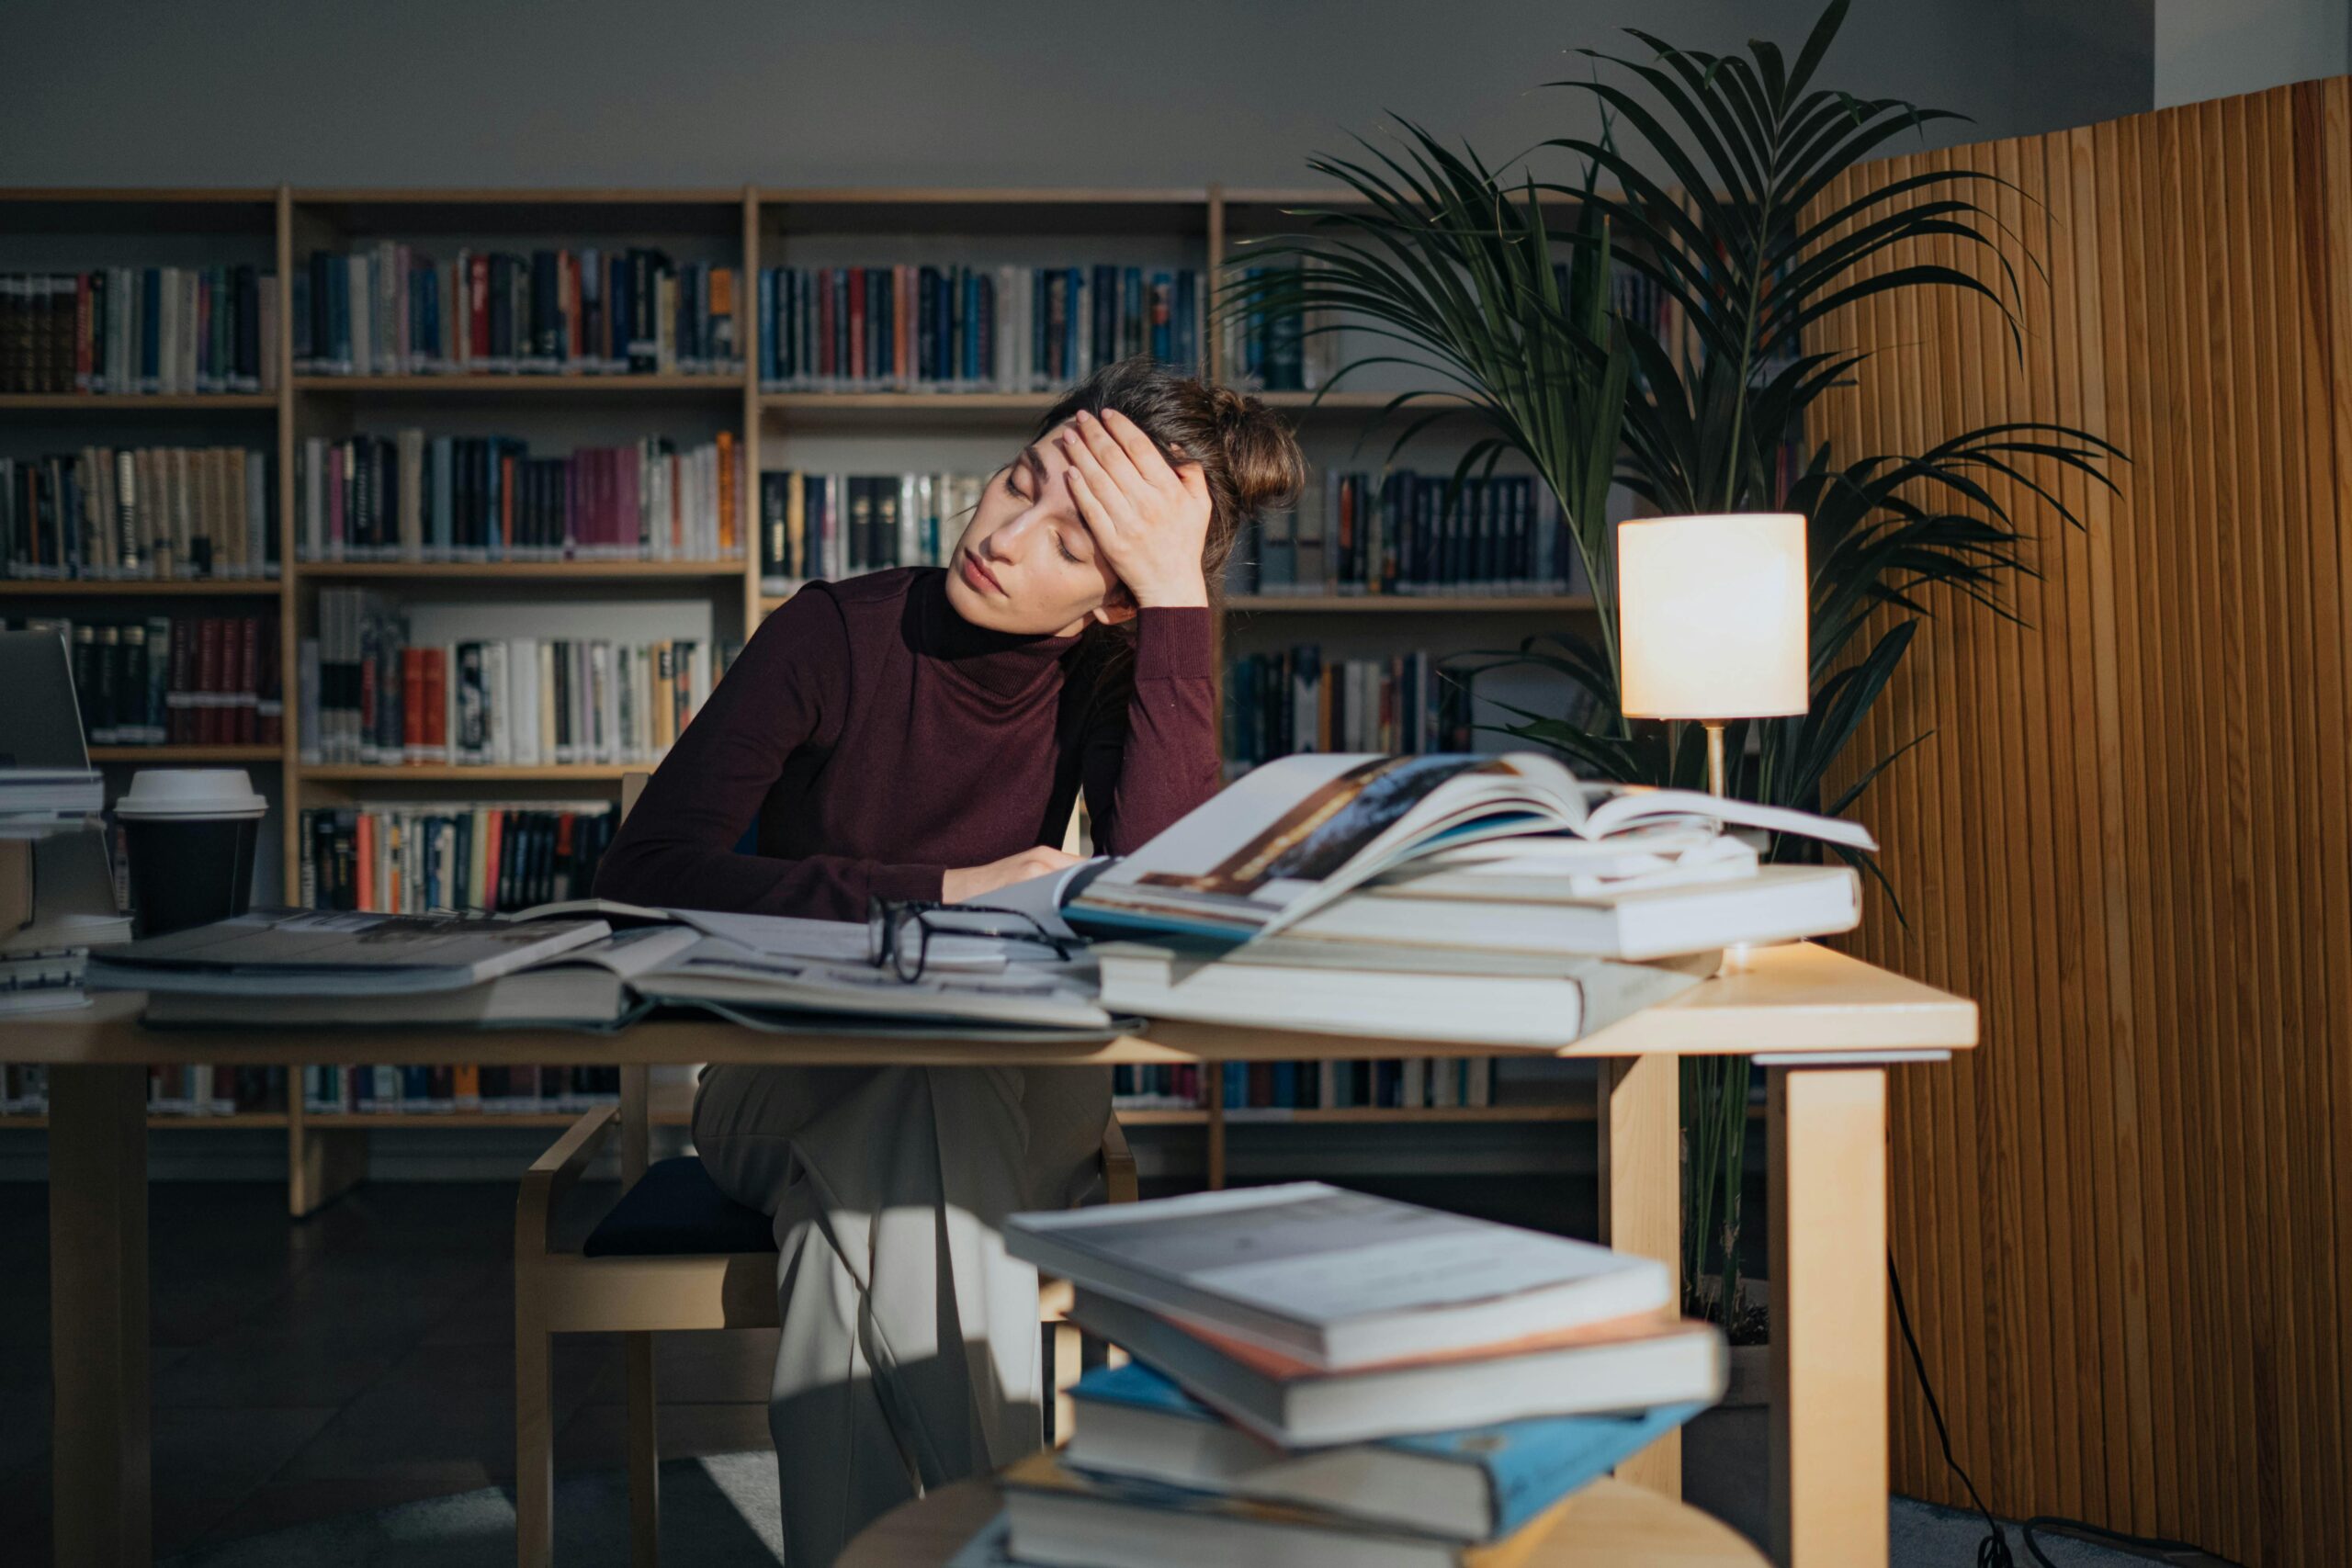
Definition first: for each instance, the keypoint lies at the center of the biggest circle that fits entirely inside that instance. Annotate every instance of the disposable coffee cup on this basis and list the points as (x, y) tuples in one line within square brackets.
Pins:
[(190, 834)]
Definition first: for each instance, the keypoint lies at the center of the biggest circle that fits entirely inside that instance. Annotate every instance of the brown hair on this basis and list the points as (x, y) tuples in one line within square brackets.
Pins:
[(1244, 450)]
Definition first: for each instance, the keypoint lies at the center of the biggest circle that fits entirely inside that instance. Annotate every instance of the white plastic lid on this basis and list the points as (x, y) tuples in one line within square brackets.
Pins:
[(166, 794)]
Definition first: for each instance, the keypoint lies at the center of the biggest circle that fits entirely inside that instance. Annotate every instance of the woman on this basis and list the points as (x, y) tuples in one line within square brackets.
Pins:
[(923, 734)]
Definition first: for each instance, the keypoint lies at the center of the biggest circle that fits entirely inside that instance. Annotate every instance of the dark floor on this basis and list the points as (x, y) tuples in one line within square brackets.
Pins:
[(360, 1358), (364, 1356)]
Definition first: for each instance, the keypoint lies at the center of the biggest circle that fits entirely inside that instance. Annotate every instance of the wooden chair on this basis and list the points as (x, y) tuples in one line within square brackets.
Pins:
[(673, 1254)]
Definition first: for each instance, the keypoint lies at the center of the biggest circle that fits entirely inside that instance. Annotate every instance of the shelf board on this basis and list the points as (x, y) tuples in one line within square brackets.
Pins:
[(1386, 1116), (117, 403), (1357, 402), (142, 587), (516, 571), (246, 1121), (842, 410), (1408, 604), (166, 754), (443, 772), (370, 1121), (519, 386)]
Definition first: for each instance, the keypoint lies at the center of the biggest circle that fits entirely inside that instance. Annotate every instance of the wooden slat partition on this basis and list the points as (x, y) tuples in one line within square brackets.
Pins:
[(2125, 1225)]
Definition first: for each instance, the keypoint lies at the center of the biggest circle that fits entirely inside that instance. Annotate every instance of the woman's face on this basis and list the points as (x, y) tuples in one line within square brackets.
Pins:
[(1026, 563)]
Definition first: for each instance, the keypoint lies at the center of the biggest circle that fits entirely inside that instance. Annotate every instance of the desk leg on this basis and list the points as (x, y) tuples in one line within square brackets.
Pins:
[(100, 1445), (1641, 1206), (1825, 1146)]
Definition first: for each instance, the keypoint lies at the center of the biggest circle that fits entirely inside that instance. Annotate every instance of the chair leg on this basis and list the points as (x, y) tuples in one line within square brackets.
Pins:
[(534, 1435), (644, 1455)]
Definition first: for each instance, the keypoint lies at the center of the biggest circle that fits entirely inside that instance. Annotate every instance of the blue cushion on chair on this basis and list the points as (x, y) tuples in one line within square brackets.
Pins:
[(677, 1208)]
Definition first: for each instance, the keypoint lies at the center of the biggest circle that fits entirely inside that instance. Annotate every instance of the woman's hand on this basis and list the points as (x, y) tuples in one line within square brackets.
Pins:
[(971, 882), (1149, 520)]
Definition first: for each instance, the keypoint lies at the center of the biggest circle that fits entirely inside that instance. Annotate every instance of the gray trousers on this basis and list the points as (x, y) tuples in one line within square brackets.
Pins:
[(909, 1352)]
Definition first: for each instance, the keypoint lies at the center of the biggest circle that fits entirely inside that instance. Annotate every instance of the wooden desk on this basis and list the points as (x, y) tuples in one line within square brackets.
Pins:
[(1824, 1025), (1610, 1524)]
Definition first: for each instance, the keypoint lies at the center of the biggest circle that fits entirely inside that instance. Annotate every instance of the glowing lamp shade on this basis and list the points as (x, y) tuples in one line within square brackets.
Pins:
[(1712, 615)]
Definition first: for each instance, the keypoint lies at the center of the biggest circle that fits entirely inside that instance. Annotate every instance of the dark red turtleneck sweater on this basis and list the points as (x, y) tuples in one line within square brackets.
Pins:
[(881, 740)]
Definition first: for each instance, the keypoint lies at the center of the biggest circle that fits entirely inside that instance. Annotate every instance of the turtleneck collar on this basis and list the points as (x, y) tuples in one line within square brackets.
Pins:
[(1004, 664)]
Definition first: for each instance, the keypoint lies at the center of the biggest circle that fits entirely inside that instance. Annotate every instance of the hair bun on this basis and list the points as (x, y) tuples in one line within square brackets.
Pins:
[(1260, 452)]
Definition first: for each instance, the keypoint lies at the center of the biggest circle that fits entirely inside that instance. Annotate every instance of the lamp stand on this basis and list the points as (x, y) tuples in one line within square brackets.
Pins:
[(1716, 782)]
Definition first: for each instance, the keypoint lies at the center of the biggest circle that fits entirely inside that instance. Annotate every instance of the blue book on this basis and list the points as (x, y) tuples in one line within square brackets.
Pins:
[(1476, 1484)]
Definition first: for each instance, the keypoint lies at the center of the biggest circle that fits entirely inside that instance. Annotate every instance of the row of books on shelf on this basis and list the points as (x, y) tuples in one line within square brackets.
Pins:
[(370, 697), (1299, 699), (125, 330), (834, 526), (454, 1090), (466, 854), (1270, 349), (390, 310), (137, 514), (181, 1089), (1416, 1083), (1408, 532), (410, 497), (1006, 329), (197, 1090), (174, 680), (1325, 1377)]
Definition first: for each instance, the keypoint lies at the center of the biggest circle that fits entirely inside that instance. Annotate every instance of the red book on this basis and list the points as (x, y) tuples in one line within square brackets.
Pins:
[(436, 705), (247, 712), (364, 857), (209, 685), (413, 704), (855, 369), (497, 820), (269, 697)]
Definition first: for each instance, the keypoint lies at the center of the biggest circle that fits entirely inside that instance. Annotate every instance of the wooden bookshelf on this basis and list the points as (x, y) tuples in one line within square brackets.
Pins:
[(170, 756), (125, 403), (235, 1122), (603, 572), (443, 772), (731, 227), (141, 588), (522, 385)]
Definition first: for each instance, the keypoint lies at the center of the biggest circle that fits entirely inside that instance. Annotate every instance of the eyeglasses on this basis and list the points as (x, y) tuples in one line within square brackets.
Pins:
[(898, 931)]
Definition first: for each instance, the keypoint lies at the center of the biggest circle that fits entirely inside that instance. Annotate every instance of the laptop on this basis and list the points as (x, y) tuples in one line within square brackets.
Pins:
[(40, 723)]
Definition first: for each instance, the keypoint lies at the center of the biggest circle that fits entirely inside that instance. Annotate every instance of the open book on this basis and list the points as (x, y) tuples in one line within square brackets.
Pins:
[(1296, 834)]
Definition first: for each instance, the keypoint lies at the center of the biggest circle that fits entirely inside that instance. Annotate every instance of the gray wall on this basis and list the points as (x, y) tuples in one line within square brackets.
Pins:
[(2212, 49), (720, 92)]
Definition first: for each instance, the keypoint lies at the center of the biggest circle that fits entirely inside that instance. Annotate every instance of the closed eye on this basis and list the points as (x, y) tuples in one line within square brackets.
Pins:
[(1062, 546)]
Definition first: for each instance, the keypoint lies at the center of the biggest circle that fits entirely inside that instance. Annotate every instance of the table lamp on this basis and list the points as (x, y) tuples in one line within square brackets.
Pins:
[(1712, 621)]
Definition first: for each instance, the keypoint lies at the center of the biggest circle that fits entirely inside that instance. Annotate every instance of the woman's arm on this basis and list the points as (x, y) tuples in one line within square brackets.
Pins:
[(1140, 777), (789, 688)]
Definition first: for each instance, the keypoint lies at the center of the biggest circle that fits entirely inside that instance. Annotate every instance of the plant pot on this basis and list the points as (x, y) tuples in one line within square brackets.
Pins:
[(1727, 1449)]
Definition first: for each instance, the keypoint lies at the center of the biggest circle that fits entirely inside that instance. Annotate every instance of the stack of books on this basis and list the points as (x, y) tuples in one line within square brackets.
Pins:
[(57, 896), (1324, 1377), (1496, 900)]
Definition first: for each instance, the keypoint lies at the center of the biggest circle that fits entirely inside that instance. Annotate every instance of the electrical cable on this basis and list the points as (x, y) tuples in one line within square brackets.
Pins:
[(1992, 1551)]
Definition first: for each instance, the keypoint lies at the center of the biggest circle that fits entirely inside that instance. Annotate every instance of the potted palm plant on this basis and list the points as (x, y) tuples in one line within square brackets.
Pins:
[(1705, 200)]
